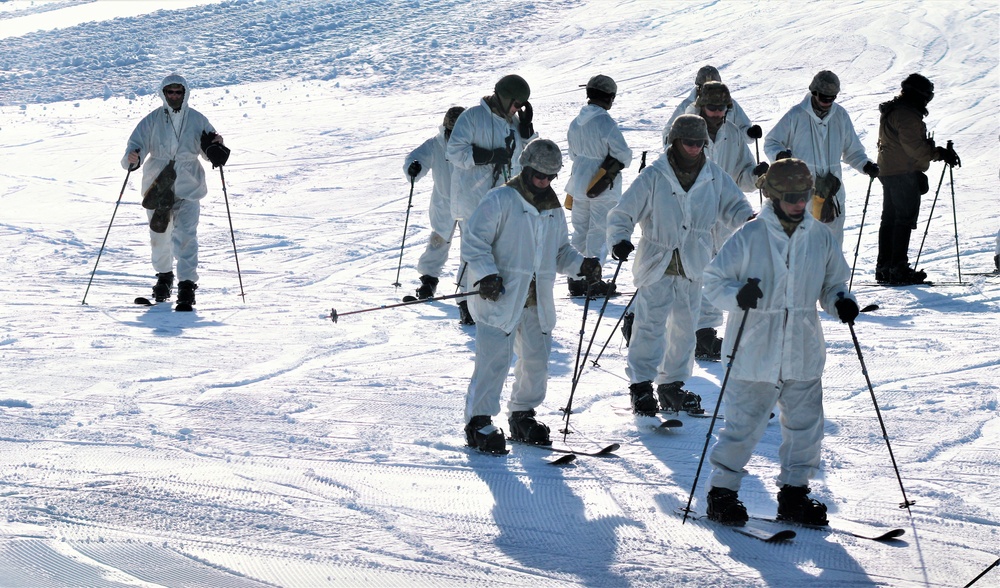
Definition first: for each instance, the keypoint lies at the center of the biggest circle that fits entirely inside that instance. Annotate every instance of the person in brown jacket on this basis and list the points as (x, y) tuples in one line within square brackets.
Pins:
[(904, 154)]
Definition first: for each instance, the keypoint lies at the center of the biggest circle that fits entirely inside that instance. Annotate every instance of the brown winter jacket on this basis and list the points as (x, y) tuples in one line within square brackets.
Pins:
[(903, 144)]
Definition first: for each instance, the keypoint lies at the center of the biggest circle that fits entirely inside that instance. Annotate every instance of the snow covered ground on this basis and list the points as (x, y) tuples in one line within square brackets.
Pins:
[(257, 443)]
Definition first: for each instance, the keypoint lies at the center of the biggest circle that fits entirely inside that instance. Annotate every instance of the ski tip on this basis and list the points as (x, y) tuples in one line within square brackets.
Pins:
[(671, 424), (143, 301), (610, 449), (409, 298), (563, 459)]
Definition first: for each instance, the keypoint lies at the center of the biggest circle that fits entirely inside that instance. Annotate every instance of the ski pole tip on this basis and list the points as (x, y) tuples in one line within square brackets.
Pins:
[(333, 314)]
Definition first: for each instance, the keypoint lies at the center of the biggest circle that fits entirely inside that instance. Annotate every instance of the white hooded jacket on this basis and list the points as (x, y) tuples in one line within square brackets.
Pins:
[(783, 337), (733, 155), (431, 155), (481, 127), (508, 236), (592, 136), (163, 139), (820, 142), (672, 218)]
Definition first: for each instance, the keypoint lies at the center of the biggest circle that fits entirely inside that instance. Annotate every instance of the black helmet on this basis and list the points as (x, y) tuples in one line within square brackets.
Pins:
[(512, 87)]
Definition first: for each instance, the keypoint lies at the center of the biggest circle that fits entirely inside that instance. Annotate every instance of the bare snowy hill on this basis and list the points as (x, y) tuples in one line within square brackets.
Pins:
[(257, 443)]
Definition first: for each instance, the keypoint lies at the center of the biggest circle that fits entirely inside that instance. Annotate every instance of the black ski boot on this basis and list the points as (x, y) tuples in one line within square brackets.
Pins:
[(795, 506), (643, 401), (164, 284), (724, 507), (481, 434), (577, 288), (904, 275), (464, 317), (627, 321), (674, 397), (524, 428), (604, 289), (428, 285), (709, 344), (185, 295)]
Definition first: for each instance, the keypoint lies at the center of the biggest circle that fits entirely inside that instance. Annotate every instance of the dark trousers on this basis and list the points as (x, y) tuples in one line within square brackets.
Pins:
[(900, 207)]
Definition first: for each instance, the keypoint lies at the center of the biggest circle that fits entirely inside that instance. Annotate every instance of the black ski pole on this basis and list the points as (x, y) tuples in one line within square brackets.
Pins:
[(984, 572), (232, 235), (642, 161), (756, 148), (885, 435), (406, 223), (954, 216), (718, 404), (614, 329), (864, 212), (929, 216), (568, 409), (334, 315), (131, 169), (600, 315)]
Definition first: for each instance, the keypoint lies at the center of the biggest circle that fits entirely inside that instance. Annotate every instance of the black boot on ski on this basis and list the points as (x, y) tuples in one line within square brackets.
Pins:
[(724, 506), (481, 434), (428, 285), (709, 344), (185, 295), (164, 283), (674, 397), (464, 317), (903, 275), (577, 288), (643, 401), (524, 428), (794, 505)]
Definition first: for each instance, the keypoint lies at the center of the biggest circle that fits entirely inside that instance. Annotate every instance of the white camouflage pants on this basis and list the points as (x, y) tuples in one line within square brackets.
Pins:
[(748, 408), (590, 223), (434, 257), (494, 351), (661, 348), (179, 241)]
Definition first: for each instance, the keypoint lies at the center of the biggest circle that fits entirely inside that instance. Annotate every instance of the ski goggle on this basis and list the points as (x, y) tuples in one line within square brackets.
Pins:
[(540, 176), (796, 197), (714, 108), (693, 143), (825, 98)]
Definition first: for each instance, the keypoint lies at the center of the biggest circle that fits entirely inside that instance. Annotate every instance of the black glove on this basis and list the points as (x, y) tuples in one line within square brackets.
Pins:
[(761, 169), (525, 115), (414, 169), (948, 156), (749, 294), (217, 153), (754, 132), (483, 156), (590, 269), (622, 250), (490, 287), (871, 168), (783, 155), (847, 310)]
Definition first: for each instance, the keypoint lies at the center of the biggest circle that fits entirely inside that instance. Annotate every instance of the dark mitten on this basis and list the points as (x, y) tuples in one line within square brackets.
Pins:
[(217, 153), (414, 169), (761, 169), (590, 270), (525, 115), (622, 250), (483, 156), (847, 310), (490, 287), (951, 157), (755, 132), (783, 155), (871, 168), (749, 294)]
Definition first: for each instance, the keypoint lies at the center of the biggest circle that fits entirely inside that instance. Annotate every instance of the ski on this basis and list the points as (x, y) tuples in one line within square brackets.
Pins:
[(606, 451), (651, 421), (879, 534), (408, 299), (988, 274), (143, 301), (750, 529)]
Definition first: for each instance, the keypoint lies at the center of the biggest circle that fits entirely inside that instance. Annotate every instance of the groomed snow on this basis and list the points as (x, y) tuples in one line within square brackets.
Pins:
[(257, 443)]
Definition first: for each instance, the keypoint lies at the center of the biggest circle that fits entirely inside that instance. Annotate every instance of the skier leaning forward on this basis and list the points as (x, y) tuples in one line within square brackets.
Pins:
[(515, 243), (798, 262), (677, 200)]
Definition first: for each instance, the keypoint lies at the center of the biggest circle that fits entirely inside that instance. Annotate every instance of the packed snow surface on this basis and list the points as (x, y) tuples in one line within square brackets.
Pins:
[(257, 443)]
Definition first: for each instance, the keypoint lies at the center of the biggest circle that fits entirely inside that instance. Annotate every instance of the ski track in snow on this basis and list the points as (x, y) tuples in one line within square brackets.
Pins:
[(257, 443)]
